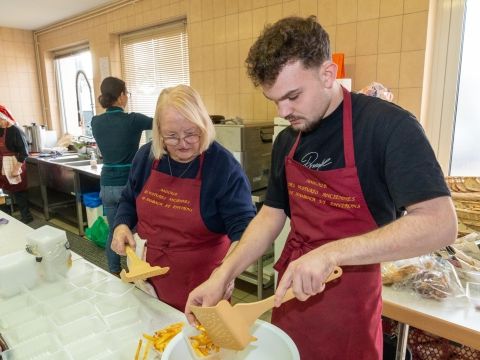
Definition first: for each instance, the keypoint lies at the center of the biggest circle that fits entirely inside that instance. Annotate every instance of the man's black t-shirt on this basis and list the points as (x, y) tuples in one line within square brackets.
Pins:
[(395, 162)]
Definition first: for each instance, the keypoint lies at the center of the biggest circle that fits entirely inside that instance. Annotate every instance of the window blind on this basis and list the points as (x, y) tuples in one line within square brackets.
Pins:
[(152, 60)]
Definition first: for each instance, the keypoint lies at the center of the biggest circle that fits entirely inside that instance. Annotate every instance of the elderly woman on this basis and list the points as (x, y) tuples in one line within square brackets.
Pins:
[(13, 153), (186, 195)]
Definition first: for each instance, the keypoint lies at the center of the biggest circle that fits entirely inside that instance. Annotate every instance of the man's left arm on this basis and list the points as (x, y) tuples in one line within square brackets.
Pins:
[(427, 226)]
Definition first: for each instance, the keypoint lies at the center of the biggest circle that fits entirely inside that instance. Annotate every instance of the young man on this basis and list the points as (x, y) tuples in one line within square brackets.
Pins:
[(344, 171)]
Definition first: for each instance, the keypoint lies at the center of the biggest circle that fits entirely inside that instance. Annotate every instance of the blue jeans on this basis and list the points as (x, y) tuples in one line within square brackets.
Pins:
[(110, 196)]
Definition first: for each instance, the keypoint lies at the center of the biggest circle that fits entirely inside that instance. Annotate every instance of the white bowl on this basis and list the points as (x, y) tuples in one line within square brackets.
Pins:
[(272, 343)]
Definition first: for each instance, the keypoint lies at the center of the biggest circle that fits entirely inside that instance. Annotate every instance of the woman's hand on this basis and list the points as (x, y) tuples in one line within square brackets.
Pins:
[(122, 235)]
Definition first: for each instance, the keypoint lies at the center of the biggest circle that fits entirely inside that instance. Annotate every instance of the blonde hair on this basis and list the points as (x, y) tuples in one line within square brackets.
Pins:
[(187, 102)]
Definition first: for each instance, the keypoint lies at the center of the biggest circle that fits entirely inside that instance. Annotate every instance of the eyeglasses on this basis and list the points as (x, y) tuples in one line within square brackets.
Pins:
[(128, 93), (175, 140)]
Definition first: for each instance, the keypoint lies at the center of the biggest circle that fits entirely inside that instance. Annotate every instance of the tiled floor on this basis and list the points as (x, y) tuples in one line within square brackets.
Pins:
[(243, 292)]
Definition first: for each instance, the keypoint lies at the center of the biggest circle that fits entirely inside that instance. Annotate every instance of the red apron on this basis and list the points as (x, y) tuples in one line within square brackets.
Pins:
[(344, 321), (4, 184), (169, 216)]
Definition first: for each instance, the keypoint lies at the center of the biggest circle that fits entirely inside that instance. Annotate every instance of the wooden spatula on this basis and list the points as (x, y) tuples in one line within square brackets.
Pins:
[(229, 326), (139, 269)]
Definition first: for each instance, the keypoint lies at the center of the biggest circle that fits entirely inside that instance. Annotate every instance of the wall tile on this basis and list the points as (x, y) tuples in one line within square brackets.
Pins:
[(231, 6), (365, 70), (414, 34), (388, 69), (194, 34), (415, 5), (390, 34), (246, 106), (196, 81), (332, 35), (346, 11), (367, 37), (411, 69), (233, 106), (233, 81), (219, 8), (346, 39), (232, 56), (327, 12), (207, 32), (196, 59), (231, 25), (219, 30), (208, 57), (368, 9), (274, 13), (245, 5), (410, 99), (245, 25), (260, 107), (243, 49), (221, 105), (220, 81), (307, 7), (207, 9), (291, 8), (220, 56), (209, 82), (259, 21), (391, 7)]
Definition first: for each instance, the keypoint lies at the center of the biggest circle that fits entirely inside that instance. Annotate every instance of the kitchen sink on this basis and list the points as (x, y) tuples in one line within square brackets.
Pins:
[(77, 163), (67, 159)]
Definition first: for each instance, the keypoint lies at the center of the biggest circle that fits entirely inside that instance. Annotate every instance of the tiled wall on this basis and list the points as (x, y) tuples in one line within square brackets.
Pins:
[(18, 76), (383, 40)]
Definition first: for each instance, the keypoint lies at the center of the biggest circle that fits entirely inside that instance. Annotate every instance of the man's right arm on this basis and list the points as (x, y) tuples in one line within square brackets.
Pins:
[(259, 235)]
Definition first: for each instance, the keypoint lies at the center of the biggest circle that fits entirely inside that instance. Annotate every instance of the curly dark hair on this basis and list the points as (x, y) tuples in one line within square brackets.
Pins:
[(289, 39), (111, 89)]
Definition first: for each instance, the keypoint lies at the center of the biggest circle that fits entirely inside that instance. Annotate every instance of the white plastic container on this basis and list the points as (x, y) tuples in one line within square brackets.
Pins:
[(17, 271), (51, 247), (271, 343)]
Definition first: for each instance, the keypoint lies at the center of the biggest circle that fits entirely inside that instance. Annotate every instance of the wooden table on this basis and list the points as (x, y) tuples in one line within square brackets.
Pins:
[(453, 319)]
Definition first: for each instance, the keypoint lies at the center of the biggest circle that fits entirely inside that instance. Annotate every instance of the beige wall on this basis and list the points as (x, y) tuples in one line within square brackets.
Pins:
[(383, 40), (18, 76)]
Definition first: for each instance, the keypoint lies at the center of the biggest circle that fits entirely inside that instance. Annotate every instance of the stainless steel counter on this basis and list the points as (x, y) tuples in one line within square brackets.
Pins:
[(68, 174)]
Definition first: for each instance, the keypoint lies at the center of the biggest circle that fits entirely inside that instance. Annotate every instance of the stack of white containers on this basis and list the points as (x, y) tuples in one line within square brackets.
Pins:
[(85, 313)]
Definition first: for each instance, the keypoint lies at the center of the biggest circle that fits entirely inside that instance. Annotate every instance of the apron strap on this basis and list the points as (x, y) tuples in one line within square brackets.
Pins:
[(348, 148)]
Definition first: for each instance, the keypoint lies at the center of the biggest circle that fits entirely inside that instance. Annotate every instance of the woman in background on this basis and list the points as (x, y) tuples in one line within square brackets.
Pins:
[(13, 153), (117, 135), (187, 196)]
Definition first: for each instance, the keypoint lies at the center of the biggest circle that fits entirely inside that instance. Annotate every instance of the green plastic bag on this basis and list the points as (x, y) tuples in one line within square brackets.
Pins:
[(98, 233)]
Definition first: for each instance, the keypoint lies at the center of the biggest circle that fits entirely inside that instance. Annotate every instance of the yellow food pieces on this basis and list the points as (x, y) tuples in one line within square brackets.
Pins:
[(201, 343), (160, 339)]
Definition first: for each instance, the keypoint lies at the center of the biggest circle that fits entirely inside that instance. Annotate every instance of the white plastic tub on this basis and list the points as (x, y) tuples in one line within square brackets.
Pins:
[(272, 343), (17, 271)]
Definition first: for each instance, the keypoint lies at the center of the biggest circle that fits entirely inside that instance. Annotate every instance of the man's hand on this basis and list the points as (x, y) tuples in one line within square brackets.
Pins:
[(122, 235), (306, 276), (208, 293)]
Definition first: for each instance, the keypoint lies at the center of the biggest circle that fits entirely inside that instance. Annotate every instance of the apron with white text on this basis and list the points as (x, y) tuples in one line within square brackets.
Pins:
[(169, 219), (344, 321)]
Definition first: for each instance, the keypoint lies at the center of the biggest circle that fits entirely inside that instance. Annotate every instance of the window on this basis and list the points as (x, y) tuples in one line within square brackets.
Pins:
[(152, 60), (466, 147), (74, 84)]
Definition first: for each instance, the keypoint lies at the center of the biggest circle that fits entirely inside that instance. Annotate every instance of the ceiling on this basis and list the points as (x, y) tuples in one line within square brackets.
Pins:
[(37, 14)]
